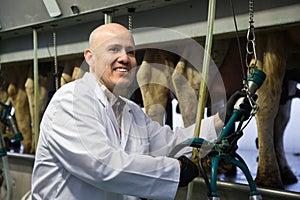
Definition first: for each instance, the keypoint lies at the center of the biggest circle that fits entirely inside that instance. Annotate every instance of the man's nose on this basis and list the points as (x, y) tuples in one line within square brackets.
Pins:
[(124, 57)]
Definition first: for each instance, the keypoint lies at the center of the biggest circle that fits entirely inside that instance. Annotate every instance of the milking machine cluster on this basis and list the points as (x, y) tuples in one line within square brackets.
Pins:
[(225, 146), (8, 119)]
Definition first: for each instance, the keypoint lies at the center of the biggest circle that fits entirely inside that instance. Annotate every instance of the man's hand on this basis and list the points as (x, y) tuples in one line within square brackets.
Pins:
[(245, 107), (188, 171)]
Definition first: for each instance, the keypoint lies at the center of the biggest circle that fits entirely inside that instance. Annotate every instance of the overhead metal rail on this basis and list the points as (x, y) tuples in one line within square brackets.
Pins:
[(73, 27), (39, 13)]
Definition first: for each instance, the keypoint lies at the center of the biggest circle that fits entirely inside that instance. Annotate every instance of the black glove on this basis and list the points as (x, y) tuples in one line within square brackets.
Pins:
[(245, 107), (188, 171)]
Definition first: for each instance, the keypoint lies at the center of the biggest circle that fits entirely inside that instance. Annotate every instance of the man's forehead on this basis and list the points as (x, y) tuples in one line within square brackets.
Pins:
[(124, 41), (109, 38)]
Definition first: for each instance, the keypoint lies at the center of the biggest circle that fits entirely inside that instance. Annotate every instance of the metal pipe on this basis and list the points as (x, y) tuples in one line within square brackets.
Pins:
[(213, 175), (5, 168), (7, 178), (247, 174), (108, 17), (202, 93), (36, 86), (231, 190), (206, 62)]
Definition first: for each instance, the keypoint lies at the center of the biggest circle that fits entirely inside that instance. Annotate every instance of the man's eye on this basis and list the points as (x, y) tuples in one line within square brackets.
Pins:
[(132, 52), (114, 49)]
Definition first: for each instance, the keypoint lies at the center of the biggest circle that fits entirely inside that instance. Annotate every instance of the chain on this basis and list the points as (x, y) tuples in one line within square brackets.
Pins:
[(55, 62), (251, 11), (130, 17), (250, 46), (2, 79), (130, 22), (251, 54)]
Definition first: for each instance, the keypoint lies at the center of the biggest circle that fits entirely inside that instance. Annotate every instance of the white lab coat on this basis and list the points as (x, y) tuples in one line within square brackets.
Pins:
[(80, 154)]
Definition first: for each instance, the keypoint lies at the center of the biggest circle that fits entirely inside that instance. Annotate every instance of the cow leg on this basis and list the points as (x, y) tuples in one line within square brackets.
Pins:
[(153, 79), (75, 73), (186, 82), (155, 107), (22, 114), (44, 79), (281, 120), (29, 88), (71, 71), (66, 75), (272, 61), (18, 97), (78, 73)]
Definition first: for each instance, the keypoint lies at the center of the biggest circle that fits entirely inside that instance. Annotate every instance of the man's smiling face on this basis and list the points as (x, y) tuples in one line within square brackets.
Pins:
[(111, 56), (115, 61)]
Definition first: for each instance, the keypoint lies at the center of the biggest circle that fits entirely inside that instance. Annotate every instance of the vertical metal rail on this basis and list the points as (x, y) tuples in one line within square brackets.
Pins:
[(108, 17), (36, 86), (4, 158), (205, 68), (6, 171)]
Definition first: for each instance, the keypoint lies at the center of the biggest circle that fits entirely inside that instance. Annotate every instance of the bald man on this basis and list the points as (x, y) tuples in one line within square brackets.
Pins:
[(88, 150)]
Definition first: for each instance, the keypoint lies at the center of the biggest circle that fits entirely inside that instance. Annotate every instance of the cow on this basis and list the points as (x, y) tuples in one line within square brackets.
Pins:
[(17, 94), (161, 73), (17, 89), (277, 51)]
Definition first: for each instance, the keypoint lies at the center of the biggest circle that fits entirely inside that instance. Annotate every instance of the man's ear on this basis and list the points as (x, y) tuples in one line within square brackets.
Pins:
[(89, 58)]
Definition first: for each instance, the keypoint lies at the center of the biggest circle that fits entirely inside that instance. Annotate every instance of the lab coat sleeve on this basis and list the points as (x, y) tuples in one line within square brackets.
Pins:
[(163, 139), (78, 139), (208, 129)]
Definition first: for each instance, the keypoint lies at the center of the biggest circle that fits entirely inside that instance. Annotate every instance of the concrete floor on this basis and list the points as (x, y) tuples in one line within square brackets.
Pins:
[(250, 157)]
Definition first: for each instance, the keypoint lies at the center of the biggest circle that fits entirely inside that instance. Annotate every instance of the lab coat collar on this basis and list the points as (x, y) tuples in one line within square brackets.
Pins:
[(91, 80), (104, 100)]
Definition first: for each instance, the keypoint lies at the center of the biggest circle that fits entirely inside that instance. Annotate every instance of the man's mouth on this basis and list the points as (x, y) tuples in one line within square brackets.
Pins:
[(119, 69)]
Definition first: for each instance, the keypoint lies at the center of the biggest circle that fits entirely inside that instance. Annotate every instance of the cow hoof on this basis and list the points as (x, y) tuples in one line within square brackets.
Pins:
[(288, 177), (269, 182)]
